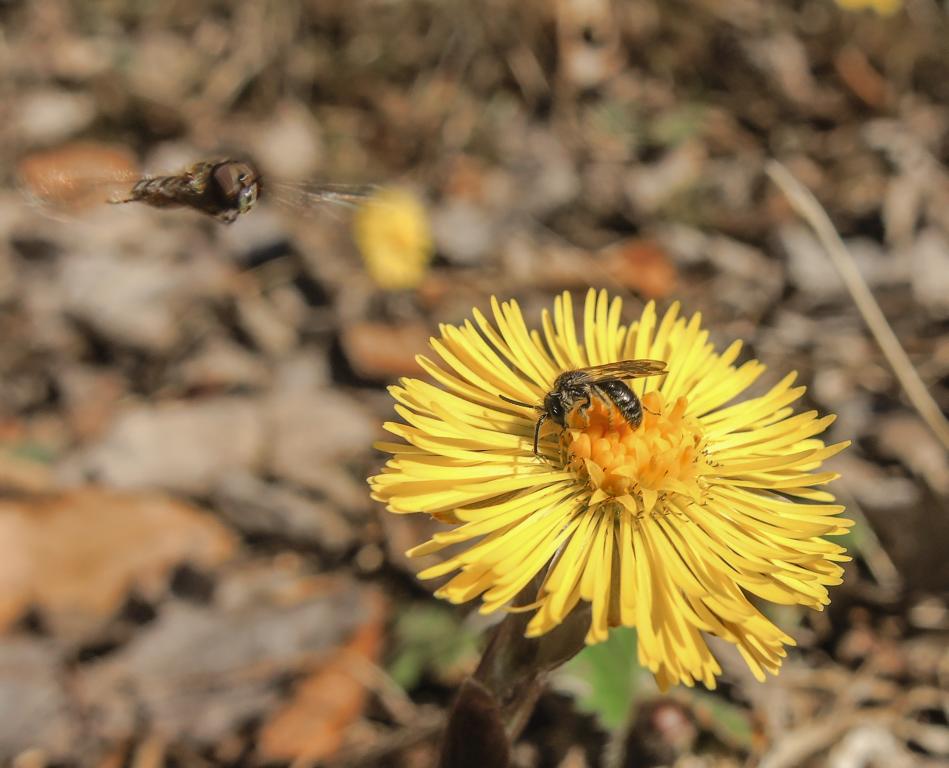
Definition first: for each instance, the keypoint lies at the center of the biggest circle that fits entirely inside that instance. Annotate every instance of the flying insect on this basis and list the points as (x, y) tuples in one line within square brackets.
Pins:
[(223, 188), (577, 388)]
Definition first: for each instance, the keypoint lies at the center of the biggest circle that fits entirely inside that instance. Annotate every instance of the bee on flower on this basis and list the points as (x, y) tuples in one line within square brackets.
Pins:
[(669, 521)]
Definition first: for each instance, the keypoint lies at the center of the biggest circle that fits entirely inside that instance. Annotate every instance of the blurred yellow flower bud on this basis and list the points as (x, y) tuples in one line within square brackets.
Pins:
[(881, 7), (394, 236)]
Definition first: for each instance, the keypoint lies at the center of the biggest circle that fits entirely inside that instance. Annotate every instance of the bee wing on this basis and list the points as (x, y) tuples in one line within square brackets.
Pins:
[(306, 198), (624, 369)]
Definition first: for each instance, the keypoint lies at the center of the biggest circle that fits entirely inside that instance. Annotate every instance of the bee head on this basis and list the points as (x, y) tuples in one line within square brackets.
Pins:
[(555, 408), (238, 184)]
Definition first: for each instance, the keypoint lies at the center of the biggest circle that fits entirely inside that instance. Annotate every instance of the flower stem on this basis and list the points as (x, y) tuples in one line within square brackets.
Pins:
[(495, 703)]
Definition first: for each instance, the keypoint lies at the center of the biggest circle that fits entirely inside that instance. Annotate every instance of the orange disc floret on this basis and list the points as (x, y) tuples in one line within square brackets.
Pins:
[(663, 454)]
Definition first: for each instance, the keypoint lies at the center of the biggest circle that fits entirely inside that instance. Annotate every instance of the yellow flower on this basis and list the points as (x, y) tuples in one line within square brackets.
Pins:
[(394, 237), (669, 528), (881, 7)]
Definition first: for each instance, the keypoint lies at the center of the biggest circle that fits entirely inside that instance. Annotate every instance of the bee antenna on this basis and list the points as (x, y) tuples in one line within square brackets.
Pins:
[(516, 402)]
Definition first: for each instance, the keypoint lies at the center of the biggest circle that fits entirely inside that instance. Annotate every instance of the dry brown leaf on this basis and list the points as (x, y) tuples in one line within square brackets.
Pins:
[(860, 76), (201, 672), (382, 351), (16, 568), (312, 726), (76, 556), (38, 717), (588, 41), (642, 266), (77, 175), (186, 446)]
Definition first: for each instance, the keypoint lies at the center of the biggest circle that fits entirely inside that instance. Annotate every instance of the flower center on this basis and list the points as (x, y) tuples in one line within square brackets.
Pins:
[(664, 454)]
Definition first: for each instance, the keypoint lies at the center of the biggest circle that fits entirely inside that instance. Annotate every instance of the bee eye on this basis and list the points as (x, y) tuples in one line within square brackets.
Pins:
[(554, 406)]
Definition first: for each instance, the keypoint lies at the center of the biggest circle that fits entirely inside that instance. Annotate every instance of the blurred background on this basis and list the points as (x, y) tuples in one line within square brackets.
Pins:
[(191, 571)]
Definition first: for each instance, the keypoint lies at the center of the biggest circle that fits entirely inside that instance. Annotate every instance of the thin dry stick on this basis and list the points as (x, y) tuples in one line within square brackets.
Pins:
[(807, 207)]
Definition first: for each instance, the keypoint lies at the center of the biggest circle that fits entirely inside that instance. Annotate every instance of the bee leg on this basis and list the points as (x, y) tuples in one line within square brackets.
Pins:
[(134, 195), (139, 192), (537, 426)]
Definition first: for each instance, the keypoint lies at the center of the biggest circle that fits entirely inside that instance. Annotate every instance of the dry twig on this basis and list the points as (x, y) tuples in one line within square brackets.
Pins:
[(808, 208)]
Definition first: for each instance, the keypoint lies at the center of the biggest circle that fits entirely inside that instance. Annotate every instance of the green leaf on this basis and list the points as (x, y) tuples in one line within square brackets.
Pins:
[(430, 639), (605, 678), (731, 723), (33, 451), (676, 125)]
